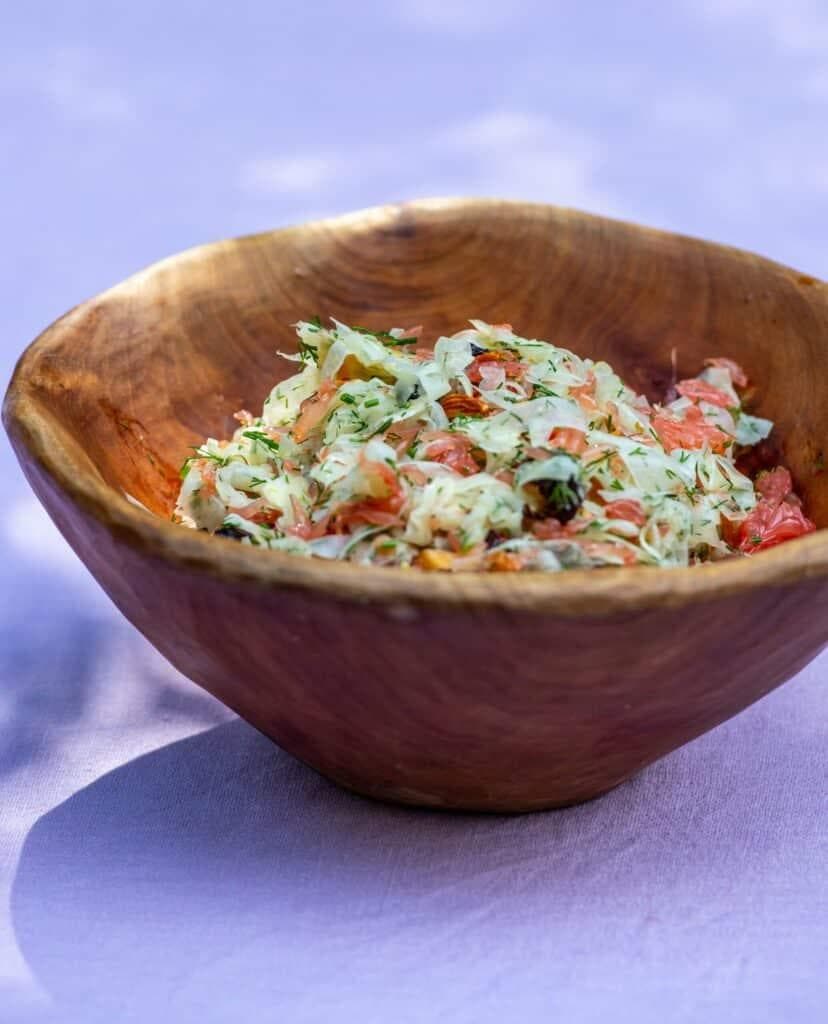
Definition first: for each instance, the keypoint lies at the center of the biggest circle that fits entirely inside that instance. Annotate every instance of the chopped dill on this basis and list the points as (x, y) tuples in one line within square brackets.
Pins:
[(265, 441)]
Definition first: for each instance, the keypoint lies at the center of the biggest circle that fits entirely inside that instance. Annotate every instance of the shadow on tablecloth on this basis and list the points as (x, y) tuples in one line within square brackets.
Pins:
[(217, 879), (70, 663)]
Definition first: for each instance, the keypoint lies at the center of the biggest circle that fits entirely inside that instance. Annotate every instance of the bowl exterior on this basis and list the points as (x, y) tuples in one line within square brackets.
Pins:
[(462, 707)]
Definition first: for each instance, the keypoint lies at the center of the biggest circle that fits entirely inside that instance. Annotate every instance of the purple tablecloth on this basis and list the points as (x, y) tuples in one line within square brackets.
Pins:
[(159, 861)]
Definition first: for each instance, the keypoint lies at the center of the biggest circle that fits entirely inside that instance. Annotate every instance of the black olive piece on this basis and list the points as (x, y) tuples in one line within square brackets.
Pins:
[(416, 392), (230, 531), (477, 350), (559, 498)]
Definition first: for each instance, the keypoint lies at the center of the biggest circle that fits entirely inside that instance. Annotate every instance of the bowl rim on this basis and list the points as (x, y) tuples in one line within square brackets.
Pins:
[(616, 590)]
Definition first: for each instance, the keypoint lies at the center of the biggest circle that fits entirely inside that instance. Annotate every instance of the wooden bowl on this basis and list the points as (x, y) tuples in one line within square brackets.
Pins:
[(482, 692)]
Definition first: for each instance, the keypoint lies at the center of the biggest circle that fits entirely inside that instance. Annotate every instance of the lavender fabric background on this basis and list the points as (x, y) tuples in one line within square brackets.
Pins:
[(161, 861)]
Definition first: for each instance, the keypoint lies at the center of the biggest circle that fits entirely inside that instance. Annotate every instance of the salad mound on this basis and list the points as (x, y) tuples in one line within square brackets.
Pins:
[(487, 452)]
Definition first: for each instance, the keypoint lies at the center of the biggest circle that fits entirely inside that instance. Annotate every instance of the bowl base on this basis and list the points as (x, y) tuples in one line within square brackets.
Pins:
[(404, 796)]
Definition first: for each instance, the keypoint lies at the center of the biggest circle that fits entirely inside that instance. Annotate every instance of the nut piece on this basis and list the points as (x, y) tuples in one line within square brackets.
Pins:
[(435, 559), (463, 405), (504, 561)]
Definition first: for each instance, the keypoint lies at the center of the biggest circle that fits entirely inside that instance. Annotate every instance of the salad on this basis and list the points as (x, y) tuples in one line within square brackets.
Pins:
[(487, 451)]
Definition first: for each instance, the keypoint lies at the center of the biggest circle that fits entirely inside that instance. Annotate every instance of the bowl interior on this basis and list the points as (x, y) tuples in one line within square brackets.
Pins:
[(133, 378)]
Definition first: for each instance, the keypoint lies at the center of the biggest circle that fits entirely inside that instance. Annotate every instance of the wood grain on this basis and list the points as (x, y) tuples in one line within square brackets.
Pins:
[(503, 692)]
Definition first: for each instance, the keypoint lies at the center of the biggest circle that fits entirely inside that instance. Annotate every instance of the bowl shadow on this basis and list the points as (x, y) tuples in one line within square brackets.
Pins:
[(218, 871)]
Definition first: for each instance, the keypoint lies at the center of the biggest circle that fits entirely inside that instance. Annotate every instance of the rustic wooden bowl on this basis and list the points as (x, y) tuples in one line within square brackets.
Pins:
[(483, 692)]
